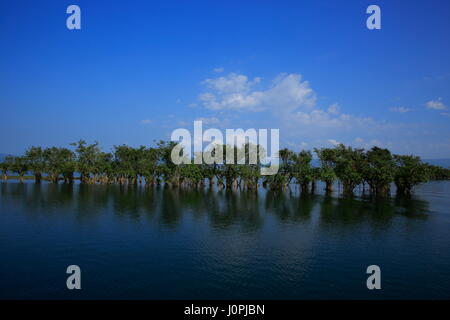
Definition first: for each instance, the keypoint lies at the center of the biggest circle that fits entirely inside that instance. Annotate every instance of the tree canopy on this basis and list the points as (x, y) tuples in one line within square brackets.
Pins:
[(377, 168)]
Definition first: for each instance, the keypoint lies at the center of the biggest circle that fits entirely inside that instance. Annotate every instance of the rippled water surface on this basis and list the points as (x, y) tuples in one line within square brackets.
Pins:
[(145, 243)]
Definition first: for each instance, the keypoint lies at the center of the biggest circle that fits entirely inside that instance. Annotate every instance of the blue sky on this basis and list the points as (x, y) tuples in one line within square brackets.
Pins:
[(139, 69)]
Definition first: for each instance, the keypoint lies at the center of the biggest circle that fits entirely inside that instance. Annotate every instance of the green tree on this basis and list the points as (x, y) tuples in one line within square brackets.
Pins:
[(378, 170), (6, 166), (437, 173), (34, 157), (86, 157), (410, 172), (327, 158), (19, 166), (166, 169), (377, 167), (302, 169), (66, 164), (284, 176), (59, 161), (250, 169), (348, 163)]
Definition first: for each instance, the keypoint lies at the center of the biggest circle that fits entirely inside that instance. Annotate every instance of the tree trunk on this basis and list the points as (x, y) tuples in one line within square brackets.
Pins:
[(348, 189), (304, 186), (328, 187), (313, 186)]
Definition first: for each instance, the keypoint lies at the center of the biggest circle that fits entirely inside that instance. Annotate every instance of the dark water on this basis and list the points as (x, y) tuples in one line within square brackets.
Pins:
[(135, 242)]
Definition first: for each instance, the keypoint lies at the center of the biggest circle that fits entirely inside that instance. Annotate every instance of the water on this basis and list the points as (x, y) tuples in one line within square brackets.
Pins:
[(143, 243)]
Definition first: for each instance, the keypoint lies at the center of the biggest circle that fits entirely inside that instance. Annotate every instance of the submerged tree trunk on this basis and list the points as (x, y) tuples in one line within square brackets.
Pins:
[(228, 182), (382, 190), (313, 186), (348, 189), (403, 190), (83, 178), (328, 187), (54, 178), (304, 186), (37, 177)]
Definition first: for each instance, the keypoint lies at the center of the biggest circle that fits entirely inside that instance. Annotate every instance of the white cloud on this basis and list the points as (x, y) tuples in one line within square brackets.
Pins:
[(436, 105), (334, 108), (233, 83), (376, 143), (292, 103), (289, 103), (146, 121), (297, 146), (232, 101), (400, 109), (333, 142), (218, 70), (437, 77), (212, 120), (235, 92), (319, 119), (183, 123)]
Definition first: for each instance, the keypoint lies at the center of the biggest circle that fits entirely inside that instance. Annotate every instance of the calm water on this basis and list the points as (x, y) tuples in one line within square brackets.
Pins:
[(134, 242)]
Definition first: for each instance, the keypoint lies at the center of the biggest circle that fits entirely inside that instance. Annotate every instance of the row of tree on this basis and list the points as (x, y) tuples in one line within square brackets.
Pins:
[(375, 169)]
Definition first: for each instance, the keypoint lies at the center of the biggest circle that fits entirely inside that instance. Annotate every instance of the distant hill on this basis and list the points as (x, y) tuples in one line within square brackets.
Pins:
[(445, 163), (2, 156), (438, 162)]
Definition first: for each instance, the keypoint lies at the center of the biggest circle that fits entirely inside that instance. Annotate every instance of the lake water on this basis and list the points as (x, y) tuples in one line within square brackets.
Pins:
[(157, 243)]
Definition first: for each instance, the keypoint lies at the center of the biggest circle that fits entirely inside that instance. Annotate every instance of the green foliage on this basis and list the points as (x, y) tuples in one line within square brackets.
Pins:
[(438, 173), (19, 166), (302, 169), (59, 161), (284, 175), (34, 158), (348, 167), (410, 171), (6, 166), (169, 171), (377, 167), (378, 170), (86, 157), (327, 174)]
